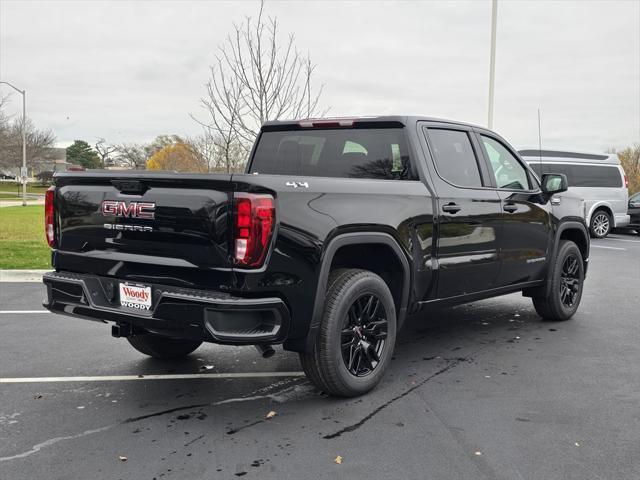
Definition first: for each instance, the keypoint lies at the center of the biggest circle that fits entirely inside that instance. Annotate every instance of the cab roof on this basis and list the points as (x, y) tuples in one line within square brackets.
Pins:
[(348, 121)]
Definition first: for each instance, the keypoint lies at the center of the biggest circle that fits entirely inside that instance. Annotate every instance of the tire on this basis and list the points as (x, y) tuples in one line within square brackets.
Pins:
[(564, 291), (600, 225), (157, 346), (357, 334)]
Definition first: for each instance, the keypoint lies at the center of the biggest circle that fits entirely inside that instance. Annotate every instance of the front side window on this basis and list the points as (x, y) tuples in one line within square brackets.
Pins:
[(507, 170), (454, 157)]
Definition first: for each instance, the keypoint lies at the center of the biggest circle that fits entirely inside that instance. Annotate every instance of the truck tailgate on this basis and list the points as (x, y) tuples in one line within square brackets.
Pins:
[(170, 219)]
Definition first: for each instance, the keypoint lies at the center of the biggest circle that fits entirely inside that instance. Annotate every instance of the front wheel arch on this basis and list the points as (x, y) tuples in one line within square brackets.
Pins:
[(573, 231), (576, 232)]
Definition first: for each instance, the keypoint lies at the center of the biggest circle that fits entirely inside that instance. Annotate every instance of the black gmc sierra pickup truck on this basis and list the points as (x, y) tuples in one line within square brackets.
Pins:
[(338, 229)]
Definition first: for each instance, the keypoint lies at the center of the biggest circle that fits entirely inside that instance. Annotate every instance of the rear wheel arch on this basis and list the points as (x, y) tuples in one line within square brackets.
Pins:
[(377, 252), (602, 206)]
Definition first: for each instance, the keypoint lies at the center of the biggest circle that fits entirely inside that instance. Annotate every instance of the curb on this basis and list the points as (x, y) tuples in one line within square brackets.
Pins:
[(18, 203), (15, 276)]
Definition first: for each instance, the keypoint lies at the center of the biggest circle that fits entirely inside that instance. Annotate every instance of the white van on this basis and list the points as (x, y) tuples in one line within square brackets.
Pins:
[(598, 178)]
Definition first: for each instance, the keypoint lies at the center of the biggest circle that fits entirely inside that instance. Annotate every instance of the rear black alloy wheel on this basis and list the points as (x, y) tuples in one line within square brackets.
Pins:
[(561, 297), (364, 335), (356, 334)]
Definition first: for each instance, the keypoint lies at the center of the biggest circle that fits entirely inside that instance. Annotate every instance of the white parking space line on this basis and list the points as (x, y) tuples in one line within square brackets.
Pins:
[(25, 311), (120, 378), (623, 240), (608, 248)]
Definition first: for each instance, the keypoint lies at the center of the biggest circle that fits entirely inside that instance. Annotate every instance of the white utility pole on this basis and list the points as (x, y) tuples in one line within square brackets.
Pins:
[(492, 61), (23, 171)]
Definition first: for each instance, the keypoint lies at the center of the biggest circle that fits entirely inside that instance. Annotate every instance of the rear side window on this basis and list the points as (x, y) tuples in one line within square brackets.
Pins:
[(582, 175), (377, 153), (454, 156)]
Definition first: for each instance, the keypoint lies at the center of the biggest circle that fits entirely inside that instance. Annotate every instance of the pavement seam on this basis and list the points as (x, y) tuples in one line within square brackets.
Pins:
[(36, 448), (374, 412)]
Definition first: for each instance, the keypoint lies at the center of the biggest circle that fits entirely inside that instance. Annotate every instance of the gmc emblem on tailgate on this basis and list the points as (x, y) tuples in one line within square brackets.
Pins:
[(114, 208)]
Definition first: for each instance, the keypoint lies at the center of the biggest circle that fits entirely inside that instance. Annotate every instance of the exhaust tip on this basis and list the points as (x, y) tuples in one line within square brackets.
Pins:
[(266, 351)]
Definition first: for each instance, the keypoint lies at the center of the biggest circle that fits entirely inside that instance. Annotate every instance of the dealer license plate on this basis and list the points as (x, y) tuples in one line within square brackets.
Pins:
[(135, 296)]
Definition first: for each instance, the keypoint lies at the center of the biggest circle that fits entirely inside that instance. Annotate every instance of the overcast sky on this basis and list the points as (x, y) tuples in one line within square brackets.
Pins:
[(128, 71)]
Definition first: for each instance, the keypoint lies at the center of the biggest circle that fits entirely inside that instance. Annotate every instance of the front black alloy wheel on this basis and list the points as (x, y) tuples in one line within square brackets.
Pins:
[(563, 291), (356, 337), (570, 281), (364, 335)]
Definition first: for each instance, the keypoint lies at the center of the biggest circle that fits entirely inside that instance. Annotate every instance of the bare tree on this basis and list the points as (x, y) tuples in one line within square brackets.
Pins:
[(4, 119), (256, 78), (38, 143), (131, 155), (205, 147), (104, 151)]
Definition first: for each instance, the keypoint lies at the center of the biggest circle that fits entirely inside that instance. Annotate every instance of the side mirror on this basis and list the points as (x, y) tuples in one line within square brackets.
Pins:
[(554, 183)]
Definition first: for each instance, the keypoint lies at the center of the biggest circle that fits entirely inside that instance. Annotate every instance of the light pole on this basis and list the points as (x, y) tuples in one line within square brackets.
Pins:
[(492, 61), (23, 171)]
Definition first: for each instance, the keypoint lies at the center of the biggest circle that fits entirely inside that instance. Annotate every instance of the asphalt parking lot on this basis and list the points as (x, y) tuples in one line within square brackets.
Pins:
[(484, 391)]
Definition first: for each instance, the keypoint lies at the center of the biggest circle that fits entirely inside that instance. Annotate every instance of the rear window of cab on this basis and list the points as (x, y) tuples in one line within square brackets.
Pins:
[(374, 153)]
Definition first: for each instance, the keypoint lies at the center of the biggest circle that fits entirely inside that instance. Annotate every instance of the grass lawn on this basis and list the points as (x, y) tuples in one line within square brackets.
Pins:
[(11, 196), (22, 242), (17, 187)]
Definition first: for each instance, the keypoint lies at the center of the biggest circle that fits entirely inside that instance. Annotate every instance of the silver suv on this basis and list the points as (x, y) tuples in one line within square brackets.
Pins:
[(597, 178)]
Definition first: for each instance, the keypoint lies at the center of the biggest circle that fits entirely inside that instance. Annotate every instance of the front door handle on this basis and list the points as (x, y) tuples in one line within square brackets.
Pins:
[(451, 208), (510, 207)]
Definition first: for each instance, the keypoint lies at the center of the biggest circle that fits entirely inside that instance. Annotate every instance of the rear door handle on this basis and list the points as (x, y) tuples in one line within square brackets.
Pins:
[(451, 208), (510, 207)]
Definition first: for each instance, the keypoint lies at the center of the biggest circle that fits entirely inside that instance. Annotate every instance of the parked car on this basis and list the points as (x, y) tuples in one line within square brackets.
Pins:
[(336, 231), (7, 176), (634, 212), (597, 178)]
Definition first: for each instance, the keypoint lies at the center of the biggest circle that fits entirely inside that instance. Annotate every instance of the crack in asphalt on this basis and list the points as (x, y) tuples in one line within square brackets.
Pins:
[(236, 430), (365, 419), (52, 441), (453, 362), (194, 440), (47, 443), (164, 412)]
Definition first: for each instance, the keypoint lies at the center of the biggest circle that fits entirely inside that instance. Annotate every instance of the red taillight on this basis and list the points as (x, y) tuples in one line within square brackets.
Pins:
[(626, 181), (49, 229), (254, 220)]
